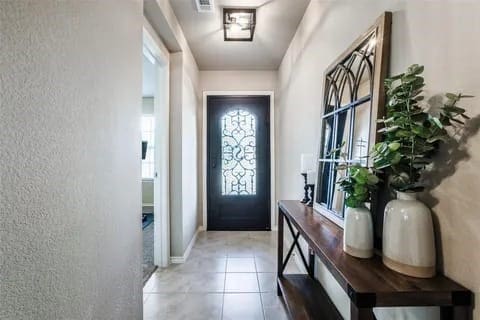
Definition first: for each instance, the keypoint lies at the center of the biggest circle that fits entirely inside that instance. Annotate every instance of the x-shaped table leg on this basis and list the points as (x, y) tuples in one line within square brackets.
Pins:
[(295, 244)]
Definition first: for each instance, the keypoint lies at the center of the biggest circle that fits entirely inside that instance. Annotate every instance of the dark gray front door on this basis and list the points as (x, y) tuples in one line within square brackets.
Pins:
[(238, 168)]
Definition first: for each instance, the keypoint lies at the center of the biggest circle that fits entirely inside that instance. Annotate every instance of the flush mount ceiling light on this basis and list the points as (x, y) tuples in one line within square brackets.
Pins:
[(238, 24)]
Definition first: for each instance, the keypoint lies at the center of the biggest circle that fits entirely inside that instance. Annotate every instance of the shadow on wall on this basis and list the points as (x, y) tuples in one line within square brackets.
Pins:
[(451, 154)]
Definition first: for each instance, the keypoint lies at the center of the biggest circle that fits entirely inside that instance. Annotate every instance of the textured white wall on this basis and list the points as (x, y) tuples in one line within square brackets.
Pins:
[(70, 159), (437, 34), (184, 104)]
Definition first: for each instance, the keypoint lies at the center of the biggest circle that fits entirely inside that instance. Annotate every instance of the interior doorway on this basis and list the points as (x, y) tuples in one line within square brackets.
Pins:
[(148, 161), (155, 154)]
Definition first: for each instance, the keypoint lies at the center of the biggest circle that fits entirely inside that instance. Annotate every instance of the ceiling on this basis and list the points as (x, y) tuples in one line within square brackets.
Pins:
[(277, 21)]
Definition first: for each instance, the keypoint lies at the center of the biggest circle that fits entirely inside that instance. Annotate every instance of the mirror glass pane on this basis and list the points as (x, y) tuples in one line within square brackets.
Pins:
[(361, 133), (325, 172), (343, 134), (337, 195), (331, 99), (364, 85), (346, 85), (327, 136)]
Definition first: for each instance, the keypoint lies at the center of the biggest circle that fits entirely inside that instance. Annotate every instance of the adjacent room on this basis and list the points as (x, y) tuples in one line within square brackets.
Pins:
[(300, 159)]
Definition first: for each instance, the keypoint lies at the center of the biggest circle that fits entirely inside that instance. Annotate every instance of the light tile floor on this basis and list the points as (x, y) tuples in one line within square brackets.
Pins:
[(229, 275)]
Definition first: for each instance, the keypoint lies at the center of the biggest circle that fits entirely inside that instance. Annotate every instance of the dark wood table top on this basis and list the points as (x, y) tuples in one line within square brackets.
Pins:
[(367, 281)]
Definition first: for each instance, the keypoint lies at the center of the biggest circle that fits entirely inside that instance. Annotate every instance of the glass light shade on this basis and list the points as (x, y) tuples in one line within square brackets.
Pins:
[(238, 24)]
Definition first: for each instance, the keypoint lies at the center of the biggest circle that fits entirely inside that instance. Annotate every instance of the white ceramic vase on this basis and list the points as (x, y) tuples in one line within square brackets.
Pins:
[(358, 233), (408, 237)]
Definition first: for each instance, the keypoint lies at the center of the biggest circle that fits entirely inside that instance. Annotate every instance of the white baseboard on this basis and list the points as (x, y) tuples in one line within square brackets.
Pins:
[(183, 259), (202, 228)]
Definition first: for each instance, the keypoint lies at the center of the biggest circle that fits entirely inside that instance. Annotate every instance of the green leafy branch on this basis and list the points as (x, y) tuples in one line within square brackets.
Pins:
[(412, 135), (358, 183)]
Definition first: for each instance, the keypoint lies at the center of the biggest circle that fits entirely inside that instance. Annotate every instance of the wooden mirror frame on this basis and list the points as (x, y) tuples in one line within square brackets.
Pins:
[(381, 59)]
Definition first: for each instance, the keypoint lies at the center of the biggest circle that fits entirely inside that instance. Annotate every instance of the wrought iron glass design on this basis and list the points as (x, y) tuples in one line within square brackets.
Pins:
[(345, 121), (239, 162)]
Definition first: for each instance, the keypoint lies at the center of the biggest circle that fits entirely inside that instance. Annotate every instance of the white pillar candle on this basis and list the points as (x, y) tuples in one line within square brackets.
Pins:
[(310, 177), (306, 162)]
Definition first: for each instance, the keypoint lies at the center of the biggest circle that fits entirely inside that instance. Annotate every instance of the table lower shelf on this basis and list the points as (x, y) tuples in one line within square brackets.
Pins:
[(305, 298)]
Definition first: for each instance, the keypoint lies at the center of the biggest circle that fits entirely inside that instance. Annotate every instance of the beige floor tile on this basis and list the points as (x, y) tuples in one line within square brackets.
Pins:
[(207, 282), (163, 282), (201, 265), (270, 300), (266, 263), (267, 282), (240, 265), (186, 282), (273, 306), (199, 252), (240, 251), (242, 306), (184, 306), (275, 313), (241, 282)]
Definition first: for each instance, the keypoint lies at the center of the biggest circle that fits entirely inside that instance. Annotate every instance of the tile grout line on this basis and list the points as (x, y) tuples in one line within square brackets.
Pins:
[(224, 287), (259, 289)]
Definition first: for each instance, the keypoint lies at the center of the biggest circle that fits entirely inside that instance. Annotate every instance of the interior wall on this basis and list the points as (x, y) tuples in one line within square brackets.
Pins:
[(437, 34), (70, 153), (184, 108), (190, 192), (250, 80)]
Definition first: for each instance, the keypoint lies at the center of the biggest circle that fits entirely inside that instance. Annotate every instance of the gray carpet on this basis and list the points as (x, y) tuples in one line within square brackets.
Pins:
[(148, 266)]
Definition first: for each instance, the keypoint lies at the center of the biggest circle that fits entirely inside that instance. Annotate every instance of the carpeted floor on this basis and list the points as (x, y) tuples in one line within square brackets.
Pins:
[(148, 266)]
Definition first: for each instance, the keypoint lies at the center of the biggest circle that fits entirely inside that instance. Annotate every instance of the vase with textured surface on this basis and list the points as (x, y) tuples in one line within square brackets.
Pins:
[(408, 237), (358, 232)]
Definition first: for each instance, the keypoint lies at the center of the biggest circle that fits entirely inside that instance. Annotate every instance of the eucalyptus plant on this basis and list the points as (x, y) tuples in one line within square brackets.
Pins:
[(411, 134), (358, 185)]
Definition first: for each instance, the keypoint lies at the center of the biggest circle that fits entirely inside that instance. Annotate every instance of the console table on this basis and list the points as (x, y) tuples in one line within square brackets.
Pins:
[(367, 282)]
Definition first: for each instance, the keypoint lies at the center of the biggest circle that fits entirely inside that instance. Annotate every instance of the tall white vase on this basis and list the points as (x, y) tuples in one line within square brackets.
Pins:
[(358, 233), (408, 237)]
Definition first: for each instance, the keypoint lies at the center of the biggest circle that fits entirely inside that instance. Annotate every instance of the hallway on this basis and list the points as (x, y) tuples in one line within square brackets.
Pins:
[(228, 275)]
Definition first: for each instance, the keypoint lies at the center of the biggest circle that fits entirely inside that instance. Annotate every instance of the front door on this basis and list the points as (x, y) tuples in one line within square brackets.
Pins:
[(238, 163)]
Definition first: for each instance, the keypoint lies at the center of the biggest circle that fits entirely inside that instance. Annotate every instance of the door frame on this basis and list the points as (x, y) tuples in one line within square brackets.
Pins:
[(273, 224), (161, 199)]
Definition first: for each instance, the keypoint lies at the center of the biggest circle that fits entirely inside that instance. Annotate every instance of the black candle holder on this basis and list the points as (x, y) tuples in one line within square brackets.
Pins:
[(311, 189), (305, 197)]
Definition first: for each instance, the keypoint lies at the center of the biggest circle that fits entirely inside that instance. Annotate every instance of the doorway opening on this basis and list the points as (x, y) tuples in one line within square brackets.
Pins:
[(148, 161), (155, 155)]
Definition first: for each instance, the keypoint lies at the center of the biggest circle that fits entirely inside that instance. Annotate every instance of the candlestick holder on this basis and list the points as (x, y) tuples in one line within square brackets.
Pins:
[(305, 197), (311, 189)]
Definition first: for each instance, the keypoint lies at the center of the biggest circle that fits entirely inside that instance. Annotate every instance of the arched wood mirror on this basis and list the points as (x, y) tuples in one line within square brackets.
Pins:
[(353, 100)]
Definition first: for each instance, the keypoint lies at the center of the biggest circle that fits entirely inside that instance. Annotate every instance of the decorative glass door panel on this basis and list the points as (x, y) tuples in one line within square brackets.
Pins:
[(239, 161)]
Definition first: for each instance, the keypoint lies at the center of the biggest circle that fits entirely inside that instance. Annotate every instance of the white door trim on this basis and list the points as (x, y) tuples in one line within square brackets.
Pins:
[(161, 223), (272, 149)]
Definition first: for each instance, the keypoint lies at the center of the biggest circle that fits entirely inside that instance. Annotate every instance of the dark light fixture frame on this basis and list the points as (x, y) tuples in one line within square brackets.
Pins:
[(239, 10)]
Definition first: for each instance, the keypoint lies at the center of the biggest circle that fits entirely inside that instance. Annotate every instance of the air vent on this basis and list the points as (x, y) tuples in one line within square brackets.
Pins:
[(204, 5)]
